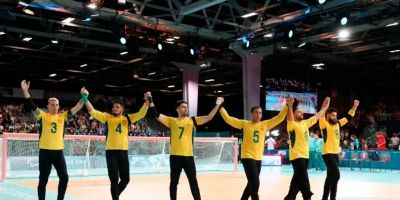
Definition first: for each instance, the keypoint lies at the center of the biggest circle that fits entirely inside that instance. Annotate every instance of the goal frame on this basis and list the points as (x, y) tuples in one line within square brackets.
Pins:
[(33, 136)]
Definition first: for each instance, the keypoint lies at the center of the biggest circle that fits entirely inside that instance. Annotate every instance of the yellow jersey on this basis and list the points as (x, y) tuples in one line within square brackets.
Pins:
[(253, 133), (51, 129), (298, 137), (117, 127), (331, 134), (181, 139)]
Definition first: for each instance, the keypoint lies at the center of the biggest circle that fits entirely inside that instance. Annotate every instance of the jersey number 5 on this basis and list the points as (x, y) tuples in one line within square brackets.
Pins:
[(256, 137)]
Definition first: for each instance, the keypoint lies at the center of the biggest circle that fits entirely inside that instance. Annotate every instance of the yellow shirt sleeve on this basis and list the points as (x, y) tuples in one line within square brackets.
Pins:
[(290, 126), (38, 114), (322, 122), (344, 120), (65, 115), (139, 115), (102, 117), (166, 121), (277, 119), (198, 121), (234, 122), (311, 121), (351, 113)]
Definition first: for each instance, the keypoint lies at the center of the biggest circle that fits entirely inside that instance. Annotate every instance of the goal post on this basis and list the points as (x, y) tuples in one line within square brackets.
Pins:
[(85, 155)]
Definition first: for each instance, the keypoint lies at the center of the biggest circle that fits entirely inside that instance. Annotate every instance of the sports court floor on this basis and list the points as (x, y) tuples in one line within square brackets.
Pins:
[(354, 185)]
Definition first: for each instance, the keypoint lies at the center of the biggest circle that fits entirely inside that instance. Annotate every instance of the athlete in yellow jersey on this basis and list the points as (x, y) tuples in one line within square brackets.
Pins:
[(181, 143), (330, 129), (117, 126), (253, 144), (51, 141), (298, 132)]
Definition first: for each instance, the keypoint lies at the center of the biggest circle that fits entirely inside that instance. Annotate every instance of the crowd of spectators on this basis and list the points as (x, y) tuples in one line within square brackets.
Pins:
[(367, 130), (288, 85), (14, 119)]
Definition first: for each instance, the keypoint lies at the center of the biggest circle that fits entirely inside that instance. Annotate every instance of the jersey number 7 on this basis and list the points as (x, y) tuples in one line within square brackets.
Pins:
[(181, 129)]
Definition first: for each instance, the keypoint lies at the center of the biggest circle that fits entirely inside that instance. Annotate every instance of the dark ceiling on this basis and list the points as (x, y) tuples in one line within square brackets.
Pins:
[(210, 27)]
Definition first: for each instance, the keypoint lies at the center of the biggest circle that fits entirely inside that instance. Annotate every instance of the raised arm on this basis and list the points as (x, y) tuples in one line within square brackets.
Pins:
[(352, 111), (153, 111), (207, 118), (350, 114), (289, 103), (28, 100), (143, 110), (270, 123), (93, 112), (85, 100), (232, 121), (324, 107), (25, 88), (77, 107)]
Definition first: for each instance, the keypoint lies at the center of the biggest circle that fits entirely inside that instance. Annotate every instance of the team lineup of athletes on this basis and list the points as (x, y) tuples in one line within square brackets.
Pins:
[(51, 143)]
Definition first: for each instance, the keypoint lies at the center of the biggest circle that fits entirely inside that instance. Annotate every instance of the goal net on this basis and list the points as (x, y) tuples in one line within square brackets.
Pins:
[(85, 155)]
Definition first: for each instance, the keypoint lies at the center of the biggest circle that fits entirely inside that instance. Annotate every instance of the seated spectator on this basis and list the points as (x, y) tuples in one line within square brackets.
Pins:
[(346, 144), (394, 141), (381, 145), (355, 144)]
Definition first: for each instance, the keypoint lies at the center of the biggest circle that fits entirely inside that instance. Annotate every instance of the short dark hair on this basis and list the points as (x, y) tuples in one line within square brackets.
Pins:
[(118, 102), (255, 107), (179, 103), (331, 110), (295, 105)]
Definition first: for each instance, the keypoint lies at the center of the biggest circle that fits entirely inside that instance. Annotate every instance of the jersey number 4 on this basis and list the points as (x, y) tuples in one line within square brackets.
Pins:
[(118, 129)]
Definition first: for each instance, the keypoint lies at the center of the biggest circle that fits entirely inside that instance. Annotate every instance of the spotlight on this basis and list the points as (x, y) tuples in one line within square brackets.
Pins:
[(27, 39), (343, 34), (122, 40), (308, 11), (302, 45), (269, 35), (159, 46), (245, 42), (192, 51), (290, 34), (67, 20), (392, 24), (87, 19), (28, 11), (344, 21), (249, 15), (92, 6), (321, 1)]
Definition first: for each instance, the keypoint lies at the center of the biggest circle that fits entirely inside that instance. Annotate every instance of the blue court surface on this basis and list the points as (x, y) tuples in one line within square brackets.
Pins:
[(353, 185)]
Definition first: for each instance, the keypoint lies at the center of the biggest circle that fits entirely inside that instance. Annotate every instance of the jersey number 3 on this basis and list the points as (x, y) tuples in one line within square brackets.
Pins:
[(53, 127)]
